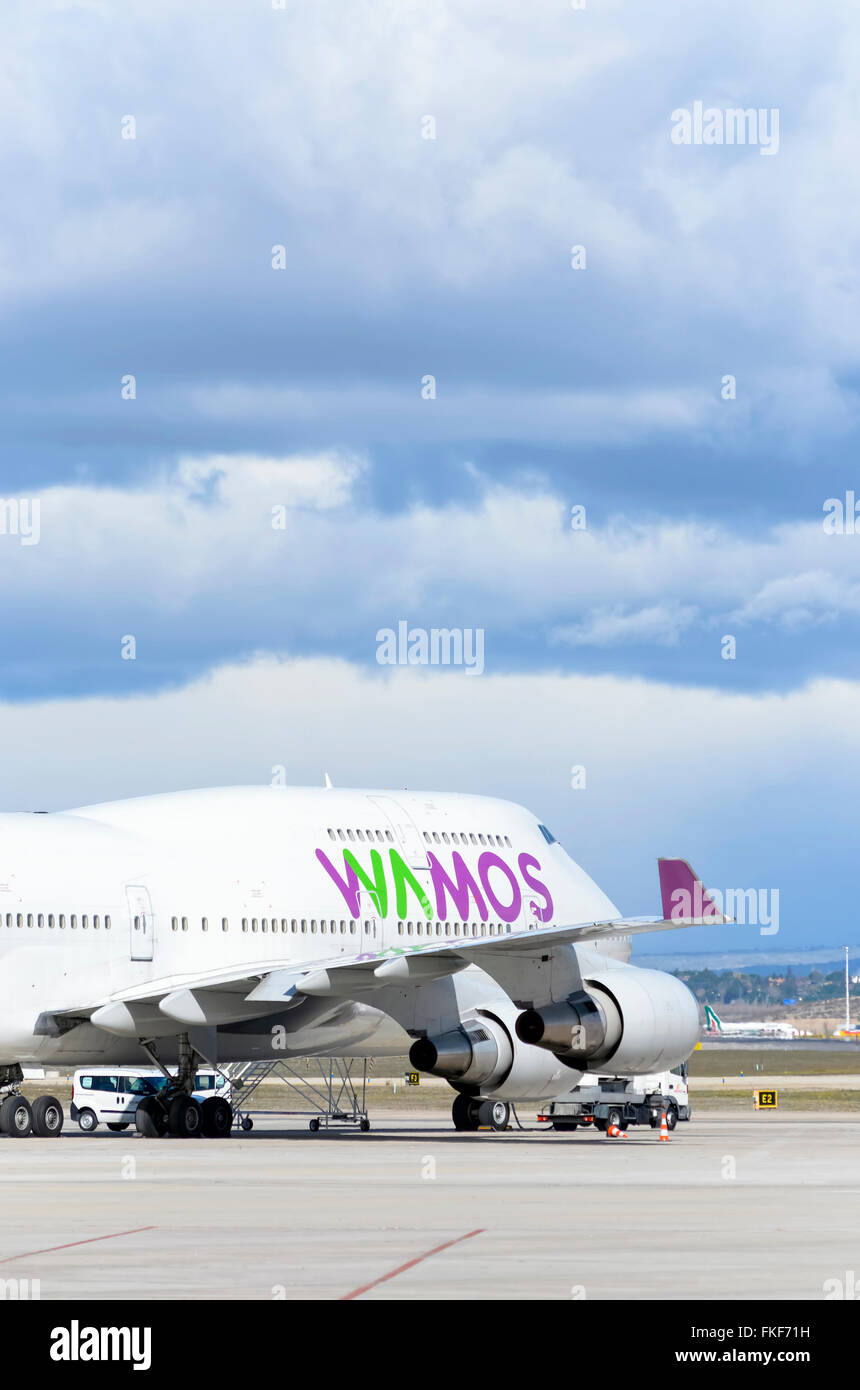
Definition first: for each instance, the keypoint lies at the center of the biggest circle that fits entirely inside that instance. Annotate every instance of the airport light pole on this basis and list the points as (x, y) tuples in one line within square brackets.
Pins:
[(847, 1003)]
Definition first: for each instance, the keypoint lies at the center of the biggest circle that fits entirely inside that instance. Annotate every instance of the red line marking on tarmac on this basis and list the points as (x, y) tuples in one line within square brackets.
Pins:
[(69, 1244), (410, 1264)]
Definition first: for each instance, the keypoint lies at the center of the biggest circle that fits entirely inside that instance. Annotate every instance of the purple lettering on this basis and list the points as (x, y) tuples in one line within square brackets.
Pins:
[(490, 861), (525, 862), (348, 886), (459, 890)]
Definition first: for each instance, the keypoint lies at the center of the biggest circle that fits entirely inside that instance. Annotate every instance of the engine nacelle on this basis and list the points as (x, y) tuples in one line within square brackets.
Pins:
[(626, 1020), (484, 1057)]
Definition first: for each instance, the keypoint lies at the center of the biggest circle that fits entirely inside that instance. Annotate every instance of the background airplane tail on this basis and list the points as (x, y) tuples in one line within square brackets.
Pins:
[(711, 1019)]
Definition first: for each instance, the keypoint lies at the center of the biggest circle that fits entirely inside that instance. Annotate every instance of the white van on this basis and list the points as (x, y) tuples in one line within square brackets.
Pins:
[(110, 1095)]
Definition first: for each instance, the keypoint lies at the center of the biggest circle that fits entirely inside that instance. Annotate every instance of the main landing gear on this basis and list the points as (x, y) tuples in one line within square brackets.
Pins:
[(175, 1110), (18, 1118), (472, 1113)]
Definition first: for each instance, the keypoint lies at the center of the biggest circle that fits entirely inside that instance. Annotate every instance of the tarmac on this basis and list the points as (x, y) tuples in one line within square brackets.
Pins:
[(735, 1206)]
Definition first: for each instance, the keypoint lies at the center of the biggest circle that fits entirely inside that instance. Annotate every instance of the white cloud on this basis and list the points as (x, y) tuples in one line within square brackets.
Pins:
[(202, 535), (662, 623)]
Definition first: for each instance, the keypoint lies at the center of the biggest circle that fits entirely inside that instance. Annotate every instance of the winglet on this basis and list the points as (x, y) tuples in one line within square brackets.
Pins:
[(684, 896)]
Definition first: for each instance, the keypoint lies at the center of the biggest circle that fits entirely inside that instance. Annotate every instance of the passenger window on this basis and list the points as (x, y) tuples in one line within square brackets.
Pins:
[(224, 924), (185, 924), (205, 923)]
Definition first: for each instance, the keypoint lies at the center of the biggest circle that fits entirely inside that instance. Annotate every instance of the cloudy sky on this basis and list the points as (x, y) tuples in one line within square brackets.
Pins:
[(322, 207)]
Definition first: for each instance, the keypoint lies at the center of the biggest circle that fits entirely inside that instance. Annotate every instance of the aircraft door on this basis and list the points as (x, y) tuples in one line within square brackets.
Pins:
[(141, 922)]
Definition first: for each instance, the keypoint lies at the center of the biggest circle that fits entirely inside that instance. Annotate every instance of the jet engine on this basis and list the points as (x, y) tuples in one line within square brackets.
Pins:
[(627, 1020), (484, 1056)]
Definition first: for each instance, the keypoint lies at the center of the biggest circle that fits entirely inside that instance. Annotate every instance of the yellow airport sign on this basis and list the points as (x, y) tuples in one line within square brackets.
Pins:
[(765, 1100)]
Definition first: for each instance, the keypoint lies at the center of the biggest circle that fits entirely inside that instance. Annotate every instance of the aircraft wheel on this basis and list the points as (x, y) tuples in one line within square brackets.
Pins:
[(494, 1113), (184, 1118), (47, 1117), (16, 1117), (217, 1117), (464, 1113), (150, 1119)]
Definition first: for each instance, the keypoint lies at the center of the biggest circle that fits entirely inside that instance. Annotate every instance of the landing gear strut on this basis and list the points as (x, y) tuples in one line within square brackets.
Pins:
[(175, 1110)]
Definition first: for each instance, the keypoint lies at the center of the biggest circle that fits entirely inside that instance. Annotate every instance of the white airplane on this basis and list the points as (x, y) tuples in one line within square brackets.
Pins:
[(248, 923), (759, 1028)]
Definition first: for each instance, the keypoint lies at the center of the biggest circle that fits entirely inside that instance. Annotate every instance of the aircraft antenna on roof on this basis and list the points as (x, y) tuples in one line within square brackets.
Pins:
[(328, 782)]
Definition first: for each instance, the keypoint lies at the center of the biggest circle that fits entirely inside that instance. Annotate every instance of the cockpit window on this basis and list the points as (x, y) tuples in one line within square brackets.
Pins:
[(547, 834)]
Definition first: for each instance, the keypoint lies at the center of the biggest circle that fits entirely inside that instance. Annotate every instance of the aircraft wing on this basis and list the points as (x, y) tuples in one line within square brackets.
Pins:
[(230, 996)]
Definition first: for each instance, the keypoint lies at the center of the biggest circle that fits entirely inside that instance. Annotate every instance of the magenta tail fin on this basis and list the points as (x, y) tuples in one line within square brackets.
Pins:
[(683, 895)]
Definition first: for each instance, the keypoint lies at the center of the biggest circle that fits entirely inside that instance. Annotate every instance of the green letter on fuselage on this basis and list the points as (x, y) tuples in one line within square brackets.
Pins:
[(377, 888), (403, 878)]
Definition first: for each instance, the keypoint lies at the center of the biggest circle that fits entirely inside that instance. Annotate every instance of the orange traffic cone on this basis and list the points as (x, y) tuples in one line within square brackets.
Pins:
[(613, 1132), (664, 1129)]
